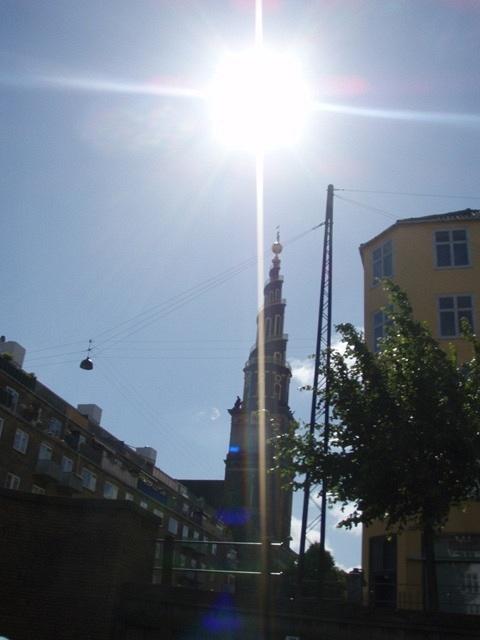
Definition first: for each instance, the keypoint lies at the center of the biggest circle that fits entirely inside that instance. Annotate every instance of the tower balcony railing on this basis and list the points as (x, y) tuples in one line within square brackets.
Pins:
[(268, 339), (272, 304), (271, 360)]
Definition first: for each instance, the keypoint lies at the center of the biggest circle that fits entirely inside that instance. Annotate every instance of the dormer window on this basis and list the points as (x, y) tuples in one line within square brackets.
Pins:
[(382, 261), (451, 248)]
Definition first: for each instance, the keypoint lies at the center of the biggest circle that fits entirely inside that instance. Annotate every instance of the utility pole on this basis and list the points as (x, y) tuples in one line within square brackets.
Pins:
[(322, 357)]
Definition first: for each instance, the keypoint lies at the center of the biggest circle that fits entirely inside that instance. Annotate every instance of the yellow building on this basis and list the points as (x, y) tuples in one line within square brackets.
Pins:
[(436, 261)]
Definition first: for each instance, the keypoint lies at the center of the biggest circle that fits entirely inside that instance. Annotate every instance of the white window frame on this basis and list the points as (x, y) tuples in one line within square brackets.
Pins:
[(12, 481), (38, 490), (20, 441), (67, 467), (55, 427), (383, 315), (379, 255), (89, 479), (129, 496), (456, 310), (13, 393), (110, 490), (172, 526), (45, 451), (159, 513), (185, 531), (451, 242), (144, 504)]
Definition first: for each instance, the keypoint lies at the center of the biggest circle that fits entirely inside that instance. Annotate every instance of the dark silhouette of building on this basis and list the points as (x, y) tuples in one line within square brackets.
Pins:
[(241, 491)]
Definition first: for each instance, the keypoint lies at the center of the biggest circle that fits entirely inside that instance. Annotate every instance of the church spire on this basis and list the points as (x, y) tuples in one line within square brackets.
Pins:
[(241, 473)]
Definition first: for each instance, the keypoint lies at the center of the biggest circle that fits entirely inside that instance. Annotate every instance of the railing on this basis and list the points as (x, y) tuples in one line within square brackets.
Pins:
[(219, 557), (455, 597)]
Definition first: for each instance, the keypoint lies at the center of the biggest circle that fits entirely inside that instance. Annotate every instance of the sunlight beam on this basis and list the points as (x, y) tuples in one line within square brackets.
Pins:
[(441, 117)]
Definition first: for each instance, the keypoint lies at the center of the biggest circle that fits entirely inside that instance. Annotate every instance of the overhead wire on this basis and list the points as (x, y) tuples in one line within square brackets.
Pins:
[(147, 317), (135, 397), (383, 212), (411, 194)]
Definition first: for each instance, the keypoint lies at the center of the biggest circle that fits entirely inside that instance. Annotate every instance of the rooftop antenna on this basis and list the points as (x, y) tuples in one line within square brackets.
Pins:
[(87, 363)]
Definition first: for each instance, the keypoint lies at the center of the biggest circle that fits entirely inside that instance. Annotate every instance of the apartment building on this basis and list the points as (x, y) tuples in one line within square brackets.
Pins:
[(49, 447), (436, 260)]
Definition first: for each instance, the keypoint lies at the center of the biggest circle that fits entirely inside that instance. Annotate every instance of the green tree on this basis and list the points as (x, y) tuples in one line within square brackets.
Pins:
[(406, 430), (321, 577)]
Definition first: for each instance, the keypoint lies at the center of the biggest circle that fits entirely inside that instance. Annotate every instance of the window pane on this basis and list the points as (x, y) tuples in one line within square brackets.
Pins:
[(443, 255), (442, 236), (378, 318), (460, 254), (447, 323), (377, 270), (464, 302), (377, 255), (468, 317), (446, 303), (387, 265), (461, 234), (45, 452)]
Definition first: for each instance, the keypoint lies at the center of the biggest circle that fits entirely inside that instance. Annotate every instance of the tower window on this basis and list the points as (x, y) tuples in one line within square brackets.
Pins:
[(451, 248), (382, 261), (277, 295), (277, 327), (277, 391), (268, 327)]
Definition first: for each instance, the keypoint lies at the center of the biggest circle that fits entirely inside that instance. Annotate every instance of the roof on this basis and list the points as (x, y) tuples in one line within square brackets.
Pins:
[(463, 214), (452, 216)]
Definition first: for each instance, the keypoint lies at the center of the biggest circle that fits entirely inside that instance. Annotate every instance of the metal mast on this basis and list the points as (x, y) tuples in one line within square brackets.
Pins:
[(320, 409)]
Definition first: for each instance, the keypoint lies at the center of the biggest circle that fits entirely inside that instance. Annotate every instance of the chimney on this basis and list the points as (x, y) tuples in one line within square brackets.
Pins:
[(92, 411), (14, 350), (148, 453)]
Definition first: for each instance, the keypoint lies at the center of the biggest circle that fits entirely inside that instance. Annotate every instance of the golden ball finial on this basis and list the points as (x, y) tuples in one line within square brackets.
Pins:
[(276, 246)]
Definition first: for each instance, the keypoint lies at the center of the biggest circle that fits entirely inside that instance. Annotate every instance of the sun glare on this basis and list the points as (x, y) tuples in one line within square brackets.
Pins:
[(259, 100)]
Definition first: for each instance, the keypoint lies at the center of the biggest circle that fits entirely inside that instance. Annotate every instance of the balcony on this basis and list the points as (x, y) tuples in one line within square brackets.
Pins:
[(48, 470), (70, 483)]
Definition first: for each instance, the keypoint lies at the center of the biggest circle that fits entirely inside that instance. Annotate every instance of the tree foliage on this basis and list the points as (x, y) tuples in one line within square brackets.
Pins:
[(405, 435)]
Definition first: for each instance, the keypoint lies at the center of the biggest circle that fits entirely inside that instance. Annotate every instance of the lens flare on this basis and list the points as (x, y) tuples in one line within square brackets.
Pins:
[(259, 100)]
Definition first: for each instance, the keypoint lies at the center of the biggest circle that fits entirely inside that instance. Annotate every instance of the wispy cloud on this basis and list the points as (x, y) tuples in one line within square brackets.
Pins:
[(302, 371), (214, 413)]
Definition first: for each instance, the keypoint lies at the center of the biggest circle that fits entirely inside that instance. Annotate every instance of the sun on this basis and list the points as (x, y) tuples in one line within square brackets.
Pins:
[(259, 100)]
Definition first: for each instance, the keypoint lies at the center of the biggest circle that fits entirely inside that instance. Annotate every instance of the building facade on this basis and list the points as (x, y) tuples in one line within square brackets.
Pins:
[(436, 261), (49, 447), (242, 469)]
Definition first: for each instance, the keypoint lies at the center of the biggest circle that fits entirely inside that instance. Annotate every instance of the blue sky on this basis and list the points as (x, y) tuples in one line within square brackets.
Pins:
[(115, 202)]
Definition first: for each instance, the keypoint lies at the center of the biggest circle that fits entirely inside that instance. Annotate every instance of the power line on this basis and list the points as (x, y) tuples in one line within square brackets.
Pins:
[(411, 194), (145, 318), (367, 206)]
